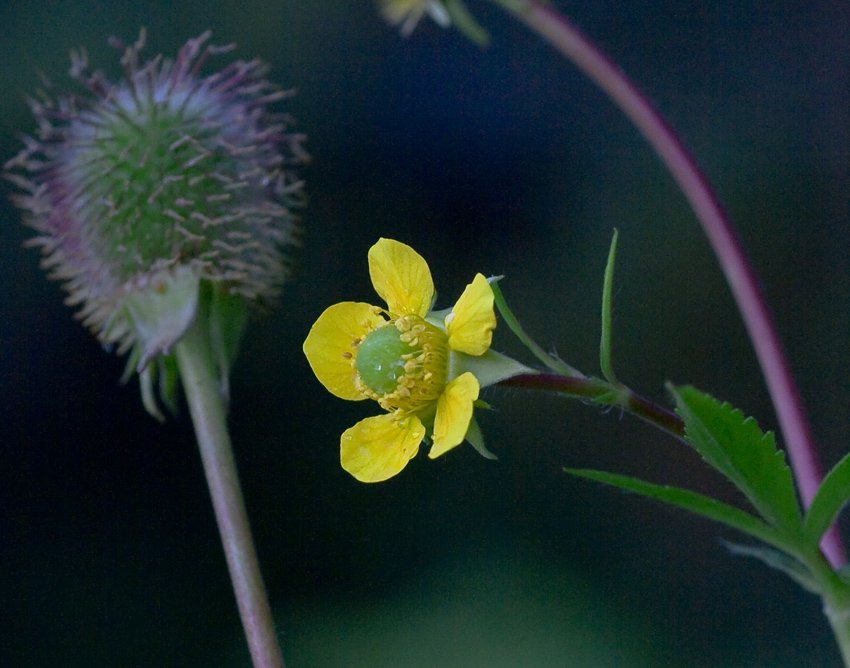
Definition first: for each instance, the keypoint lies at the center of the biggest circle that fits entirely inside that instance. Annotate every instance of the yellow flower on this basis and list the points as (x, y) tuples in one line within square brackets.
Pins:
[(424, 368)]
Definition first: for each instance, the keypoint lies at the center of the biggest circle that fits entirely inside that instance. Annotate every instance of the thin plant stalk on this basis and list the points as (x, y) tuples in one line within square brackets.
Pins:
[(208, 415), (570, 41), (604, 393)]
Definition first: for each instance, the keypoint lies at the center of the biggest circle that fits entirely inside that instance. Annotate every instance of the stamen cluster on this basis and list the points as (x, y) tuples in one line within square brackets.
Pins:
[(425, 367)]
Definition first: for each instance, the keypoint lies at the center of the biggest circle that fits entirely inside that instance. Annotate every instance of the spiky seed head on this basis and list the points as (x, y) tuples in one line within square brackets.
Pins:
[(142, 189)]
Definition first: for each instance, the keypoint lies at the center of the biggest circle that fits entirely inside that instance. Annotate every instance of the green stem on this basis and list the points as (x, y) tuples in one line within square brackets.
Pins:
[(603, 393), (194, 357)]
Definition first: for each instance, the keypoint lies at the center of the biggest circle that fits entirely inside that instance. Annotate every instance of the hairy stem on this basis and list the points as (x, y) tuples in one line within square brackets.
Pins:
[(605, 394), (194, 358), (566, 38)]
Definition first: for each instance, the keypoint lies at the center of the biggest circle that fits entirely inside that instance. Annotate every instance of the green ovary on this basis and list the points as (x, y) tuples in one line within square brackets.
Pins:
[(152, 185), (379, 360)]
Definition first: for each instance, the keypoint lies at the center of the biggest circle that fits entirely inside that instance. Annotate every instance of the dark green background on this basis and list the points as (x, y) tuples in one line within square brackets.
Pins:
[(504, 161)]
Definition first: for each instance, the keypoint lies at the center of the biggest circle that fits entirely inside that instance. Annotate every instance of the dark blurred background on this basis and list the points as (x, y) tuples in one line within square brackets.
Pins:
[(504, 161)]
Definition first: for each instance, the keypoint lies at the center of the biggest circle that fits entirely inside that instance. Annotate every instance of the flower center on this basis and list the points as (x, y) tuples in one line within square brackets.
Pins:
[(380, 360), (403, 365)]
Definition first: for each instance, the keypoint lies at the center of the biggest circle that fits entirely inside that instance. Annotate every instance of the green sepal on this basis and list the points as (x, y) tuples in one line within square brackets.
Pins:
[(159, 315), (694, 502), (831, 497), (737, 448), (779, 561), (168, 375), (160, 319), (489, 368), (162, 372), (146, 383), (161, 312), (226, 315), (476, 439)]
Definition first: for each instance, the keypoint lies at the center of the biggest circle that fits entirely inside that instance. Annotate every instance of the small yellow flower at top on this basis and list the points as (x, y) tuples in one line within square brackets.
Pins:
[(407, 13), (424, 368)]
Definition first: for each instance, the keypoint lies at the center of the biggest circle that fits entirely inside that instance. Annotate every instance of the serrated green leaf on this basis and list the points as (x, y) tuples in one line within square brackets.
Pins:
[(694, 502), (832, 495), (780, 561), (737, 448)]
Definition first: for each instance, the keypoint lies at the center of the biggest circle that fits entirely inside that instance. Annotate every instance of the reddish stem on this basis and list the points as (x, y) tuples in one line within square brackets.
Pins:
[(567, 39), (595, 389)]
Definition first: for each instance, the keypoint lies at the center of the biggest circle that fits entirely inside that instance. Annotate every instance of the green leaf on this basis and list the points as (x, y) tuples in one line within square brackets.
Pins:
[(832, 495), (694, 502), (735, 446), (605, 343), (780, 561)]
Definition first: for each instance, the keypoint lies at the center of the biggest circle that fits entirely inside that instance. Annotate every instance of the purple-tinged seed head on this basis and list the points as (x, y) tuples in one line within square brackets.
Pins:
[(159, 181)]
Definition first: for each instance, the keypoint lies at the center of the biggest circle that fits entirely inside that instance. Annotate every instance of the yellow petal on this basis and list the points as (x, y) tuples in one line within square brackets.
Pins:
[(379, 447), (471, 323), (328, 346), (454, 411), (401, 277)]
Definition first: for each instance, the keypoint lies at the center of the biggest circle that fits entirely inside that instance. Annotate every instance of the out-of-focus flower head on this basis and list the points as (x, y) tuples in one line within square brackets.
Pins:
[(407, 13), (151, 190)]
